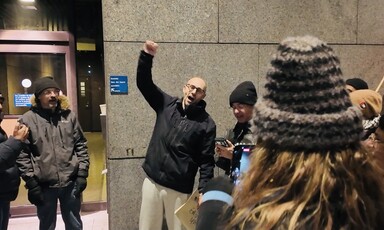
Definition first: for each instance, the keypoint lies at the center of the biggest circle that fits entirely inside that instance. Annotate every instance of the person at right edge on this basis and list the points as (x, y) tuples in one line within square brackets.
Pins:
[(311, 170), (55, 162), (183, 141), (369, 102)]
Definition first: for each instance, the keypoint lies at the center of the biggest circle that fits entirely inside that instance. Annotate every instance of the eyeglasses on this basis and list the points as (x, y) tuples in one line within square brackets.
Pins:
[(198, 90), (238, 107)]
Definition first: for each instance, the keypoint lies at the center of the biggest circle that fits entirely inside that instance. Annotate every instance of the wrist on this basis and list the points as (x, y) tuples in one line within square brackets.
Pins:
[(82, 173)]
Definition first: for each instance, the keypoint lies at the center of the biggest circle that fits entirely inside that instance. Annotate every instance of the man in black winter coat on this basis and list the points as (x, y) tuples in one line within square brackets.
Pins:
[(182, 142), (55, 163), (9, 175)]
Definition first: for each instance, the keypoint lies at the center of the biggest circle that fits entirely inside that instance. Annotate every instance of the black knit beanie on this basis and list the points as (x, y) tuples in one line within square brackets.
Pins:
[(357, 83), (244, 93), (44, 83), (306, 107)]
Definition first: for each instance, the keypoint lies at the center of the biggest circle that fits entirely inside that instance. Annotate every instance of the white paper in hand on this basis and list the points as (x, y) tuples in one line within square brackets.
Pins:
[(187, 213)]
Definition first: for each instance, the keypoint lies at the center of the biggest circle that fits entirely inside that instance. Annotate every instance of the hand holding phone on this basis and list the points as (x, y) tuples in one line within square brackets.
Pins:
[(221, 141)]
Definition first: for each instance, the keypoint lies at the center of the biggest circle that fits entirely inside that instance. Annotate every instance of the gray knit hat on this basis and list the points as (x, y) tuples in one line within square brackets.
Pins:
[(306, 106)]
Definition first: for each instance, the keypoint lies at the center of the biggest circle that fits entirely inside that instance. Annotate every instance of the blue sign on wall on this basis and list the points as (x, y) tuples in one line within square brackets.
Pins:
[(118, 84), (22, 100)]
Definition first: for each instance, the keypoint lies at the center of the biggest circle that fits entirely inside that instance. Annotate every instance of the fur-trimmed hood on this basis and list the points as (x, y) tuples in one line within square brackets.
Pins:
[(63, 102)]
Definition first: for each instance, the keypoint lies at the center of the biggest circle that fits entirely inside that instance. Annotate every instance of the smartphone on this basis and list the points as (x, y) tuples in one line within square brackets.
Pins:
[(221, 141)]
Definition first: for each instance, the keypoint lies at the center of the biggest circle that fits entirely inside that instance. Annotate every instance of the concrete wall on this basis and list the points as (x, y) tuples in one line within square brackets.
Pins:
[(225, 42)]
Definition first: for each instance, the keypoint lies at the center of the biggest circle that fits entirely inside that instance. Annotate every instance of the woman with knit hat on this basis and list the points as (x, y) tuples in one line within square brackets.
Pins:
[(309, 170)]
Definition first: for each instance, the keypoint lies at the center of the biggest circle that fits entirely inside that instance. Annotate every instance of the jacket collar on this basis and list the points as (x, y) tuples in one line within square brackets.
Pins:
[(192, 110), (63, 106)]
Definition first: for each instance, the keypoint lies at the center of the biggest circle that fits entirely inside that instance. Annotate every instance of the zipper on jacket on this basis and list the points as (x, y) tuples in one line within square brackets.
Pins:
[(52, 126), (61, 136)]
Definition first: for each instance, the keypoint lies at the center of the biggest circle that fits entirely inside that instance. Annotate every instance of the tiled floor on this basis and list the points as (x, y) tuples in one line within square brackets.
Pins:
[(91, 221)]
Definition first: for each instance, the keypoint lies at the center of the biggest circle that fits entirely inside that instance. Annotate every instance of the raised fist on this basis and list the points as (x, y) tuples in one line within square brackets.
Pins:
[(150, 47)]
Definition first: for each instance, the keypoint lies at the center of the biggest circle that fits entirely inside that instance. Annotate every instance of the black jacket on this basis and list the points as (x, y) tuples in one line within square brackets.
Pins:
[(57, 151), (9, 173), (241, 134), (181, 142)]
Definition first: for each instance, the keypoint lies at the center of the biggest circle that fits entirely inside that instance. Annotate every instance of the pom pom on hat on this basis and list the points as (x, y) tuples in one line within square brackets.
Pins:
[(306, 107), (244, 93), (44, 83), (368, 101)]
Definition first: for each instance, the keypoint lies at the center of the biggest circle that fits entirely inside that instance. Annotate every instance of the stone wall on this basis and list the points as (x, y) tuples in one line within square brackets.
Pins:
[(225, 42)]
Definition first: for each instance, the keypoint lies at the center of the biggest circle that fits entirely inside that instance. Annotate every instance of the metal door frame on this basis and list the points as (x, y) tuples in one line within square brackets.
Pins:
[(62, 42)]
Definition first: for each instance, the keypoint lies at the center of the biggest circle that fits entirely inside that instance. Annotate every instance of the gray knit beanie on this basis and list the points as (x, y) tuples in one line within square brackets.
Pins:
[(306, 106)]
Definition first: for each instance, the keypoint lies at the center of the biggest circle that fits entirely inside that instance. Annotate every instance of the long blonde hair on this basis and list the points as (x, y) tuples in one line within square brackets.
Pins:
[(331, 190)]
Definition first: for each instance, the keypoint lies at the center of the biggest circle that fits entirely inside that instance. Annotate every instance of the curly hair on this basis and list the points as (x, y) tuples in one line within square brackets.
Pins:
[(330, 190)]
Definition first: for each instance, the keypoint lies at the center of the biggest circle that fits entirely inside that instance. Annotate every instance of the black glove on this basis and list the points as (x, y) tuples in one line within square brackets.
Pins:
[(80, 185), (35, 192)]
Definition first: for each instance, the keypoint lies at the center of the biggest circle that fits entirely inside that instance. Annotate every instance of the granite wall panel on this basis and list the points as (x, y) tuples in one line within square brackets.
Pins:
[(266, 21), (161, 20), (125, 179), (371, 22)]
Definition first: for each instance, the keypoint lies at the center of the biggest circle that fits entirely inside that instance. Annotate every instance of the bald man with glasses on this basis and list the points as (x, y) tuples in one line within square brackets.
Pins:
[(182, 142)]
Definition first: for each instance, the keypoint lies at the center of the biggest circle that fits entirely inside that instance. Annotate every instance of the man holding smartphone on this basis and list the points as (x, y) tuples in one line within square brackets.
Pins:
[(242, 99), (182, 142)]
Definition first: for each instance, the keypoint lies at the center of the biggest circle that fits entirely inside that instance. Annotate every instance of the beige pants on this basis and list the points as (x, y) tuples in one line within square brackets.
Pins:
[(156, 200)]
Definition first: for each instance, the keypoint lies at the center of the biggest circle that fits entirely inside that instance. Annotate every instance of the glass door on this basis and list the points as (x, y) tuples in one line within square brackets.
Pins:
[(28, 55), (19, 70), (24, 57)]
